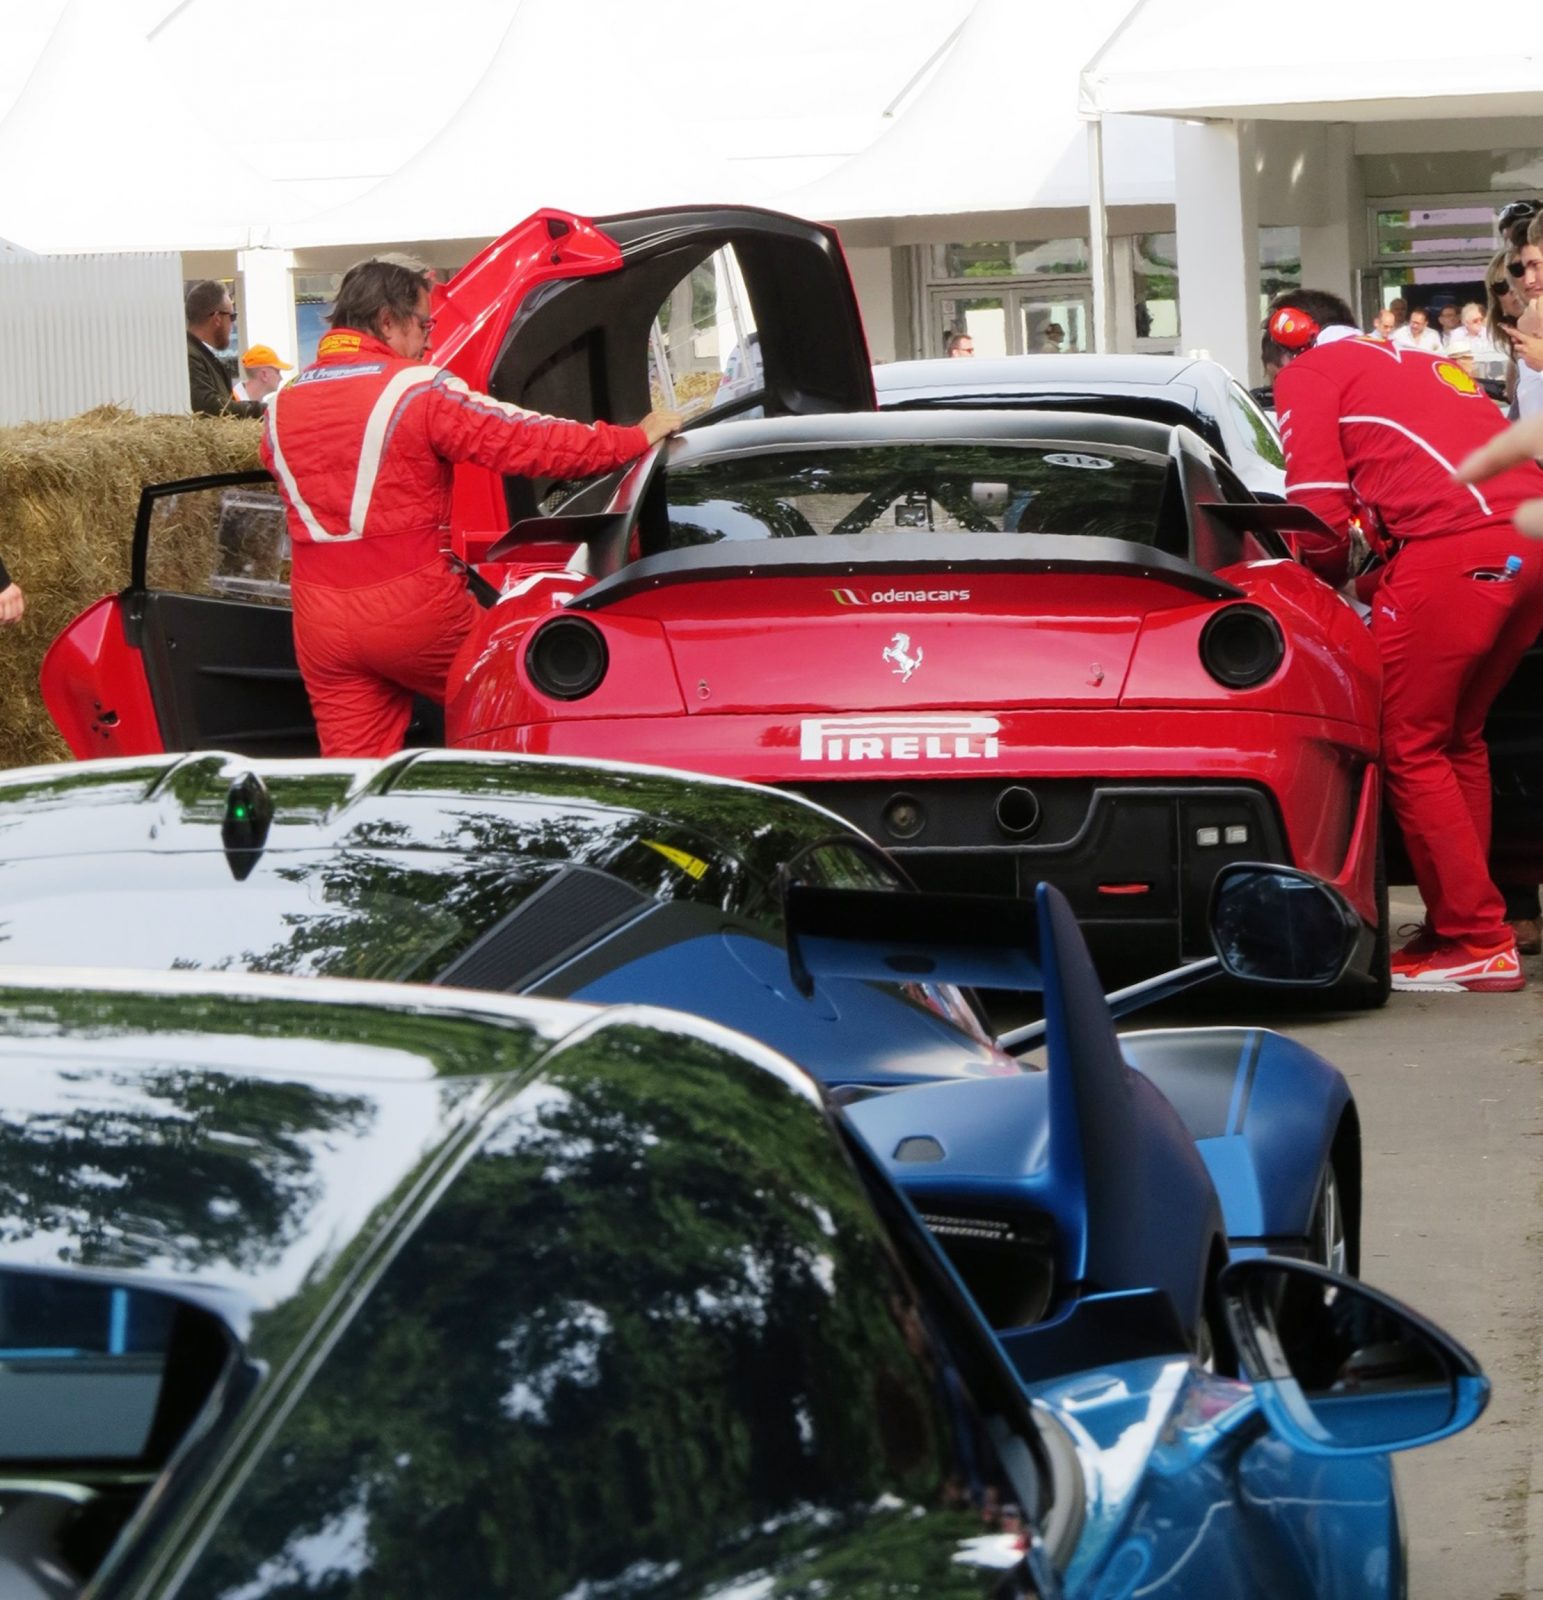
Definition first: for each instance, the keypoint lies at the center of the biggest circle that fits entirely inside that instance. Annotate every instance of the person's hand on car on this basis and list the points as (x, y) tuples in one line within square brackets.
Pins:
[(661, 424)]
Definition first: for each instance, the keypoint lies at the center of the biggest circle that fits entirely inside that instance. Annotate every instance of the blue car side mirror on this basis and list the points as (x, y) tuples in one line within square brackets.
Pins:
[(1342, 1369)]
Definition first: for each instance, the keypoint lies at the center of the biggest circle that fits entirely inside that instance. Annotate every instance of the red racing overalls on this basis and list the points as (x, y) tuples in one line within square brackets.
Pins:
[(362, 444), (1372, 427)]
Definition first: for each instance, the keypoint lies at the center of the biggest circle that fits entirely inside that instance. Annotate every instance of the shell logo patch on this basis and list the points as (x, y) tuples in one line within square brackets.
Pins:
[(1454, 377), (333, 344)]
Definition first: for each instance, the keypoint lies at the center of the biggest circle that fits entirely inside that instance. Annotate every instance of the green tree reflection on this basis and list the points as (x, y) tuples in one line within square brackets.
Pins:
[(651, 1342), (189, 1163)]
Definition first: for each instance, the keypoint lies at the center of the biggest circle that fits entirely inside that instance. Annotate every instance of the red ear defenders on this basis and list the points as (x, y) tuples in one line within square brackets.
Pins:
[(1292, 329)]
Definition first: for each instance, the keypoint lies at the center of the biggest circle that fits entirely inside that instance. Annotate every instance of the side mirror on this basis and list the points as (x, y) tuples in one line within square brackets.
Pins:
[(1341, 1369), (1276, 925)]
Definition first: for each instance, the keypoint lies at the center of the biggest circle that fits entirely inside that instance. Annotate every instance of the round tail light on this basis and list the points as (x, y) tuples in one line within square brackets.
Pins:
[(1242, 646), (567, 658)]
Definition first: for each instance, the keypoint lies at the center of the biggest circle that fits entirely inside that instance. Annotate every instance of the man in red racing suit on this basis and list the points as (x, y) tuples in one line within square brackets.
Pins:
[(1377, 431), (362, 445)]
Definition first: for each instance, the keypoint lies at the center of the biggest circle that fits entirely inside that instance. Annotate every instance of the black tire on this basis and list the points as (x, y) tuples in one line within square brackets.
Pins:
[(1369, 990)]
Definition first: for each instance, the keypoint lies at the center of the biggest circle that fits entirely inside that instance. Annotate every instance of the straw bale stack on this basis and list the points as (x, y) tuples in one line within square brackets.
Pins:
[(68, 493)]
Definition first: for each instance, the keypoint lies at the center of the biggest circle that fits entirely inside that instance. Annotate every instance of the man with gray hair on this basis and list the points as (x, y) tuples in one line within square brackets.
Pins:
[(363, 445), (211, 320)]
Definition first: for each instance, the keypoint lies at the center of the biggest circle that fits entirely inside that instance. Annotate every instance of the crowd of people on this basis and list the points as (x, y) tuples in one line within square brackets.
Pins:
[(1461, 333)]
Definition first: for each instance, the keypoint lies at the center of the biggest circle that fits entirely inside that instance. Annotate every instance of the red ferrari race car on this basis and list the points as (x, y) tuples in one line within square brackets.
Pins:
[(1011, 646)]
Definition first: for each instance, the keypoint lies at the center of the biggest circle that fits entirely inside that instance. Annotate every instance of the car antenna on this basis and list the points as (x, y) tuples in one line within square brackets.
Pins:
[(244, 831)]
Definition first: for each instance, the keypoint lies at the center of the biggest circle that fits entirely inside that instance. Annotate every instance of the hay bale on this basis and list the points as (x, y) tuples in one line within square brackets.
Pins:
[(68, 493)]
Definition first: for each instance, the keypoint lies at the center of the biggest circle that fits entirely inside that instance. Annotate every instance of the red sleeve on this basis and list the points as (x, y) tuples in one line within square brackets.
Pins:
[(1307, 411), (466, 426)]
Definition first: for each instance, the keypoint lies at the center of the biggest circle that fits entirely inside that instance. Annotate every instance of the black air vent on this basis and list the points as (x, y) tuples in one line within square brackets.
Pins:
[(565, 916), (1007, 1263)]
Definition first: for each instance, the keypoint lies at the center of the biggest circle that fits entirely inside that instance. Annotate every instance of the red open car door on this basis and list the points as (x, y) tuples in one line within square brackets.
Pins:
[(720, 311), (197, 653)]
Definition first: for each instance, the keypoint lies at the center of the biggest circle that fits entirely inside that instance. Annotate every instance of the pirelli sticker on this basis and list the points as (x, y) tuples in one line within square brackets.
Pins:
[(933, 740)]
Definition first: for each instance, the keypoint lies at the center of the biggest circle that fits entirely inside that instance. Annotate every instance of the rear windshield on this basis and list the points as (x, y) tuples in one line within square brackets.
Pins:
[(940, 488)]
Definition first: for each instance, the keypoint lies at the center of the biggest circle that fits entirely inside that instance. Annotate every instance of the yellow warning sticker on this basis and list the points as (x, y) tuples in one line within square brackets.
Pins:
[(689, 864)]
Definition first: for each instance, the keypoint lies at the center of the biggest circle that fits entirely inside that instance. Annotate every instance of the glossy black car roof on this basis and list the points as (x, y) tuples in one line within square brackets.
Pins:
[(349, 1081), (141, 807), (931, 426), (1138, 373)]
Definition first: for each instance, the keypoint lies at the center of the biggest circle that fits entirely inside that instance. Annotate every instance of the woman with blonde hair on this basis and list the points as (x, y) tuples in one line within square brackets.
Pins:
[(1502, 306)]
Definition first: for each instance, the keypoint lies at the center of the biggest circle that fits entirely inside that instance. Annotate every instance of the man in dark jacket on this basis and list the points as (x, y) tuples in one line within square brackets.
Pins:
[(211, 319)]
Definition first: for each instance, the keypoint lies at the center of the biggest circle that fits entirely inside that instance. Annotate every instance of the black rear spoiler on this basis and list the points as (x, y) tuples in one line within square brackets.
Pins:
[(964, 556), (604, 532), (1280, 516)]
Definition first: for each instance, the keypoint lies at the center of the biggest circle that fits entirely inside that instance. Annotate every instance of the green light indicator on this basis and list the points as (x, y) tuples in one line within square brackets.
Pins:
[(239, 813)]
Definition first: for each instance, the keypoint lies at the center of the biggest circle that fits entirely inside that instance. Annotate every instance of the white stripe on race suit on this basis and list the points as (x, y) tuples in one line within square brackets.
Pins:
[(1425, 445), (1293, 488), (374, 445), (287, 480), (459, 386)]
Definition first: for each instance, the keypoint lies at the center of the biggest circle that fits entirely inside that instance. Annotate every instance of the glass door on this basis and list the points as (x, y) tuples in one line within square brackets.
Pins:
[(1014, 322), (983, 318), (1054, 324)]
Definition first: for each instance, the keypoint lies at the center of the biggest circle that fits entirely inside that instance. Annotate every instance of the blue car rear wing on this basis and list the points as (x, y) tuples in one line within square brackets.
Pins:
[(1093, 1160), (1085, 1161)]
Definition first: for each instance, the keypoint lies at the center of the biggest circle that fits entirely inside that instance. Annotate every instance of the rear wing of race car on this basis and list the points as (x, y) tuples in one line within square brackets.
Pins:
[(1270, 924)]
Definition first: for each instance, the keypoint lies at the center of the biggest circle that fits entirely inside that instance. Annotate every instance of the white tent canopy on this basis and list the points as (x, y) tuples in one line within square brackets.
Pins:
[(1317, 61), (102, 152), (613, 106), (997, 129), (139, 126), (327, 99)]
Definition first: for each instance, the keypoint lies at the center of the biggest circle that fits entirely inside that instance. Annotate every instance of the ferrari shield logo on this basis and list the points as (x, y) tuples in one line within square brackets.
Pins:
[(899, 653)]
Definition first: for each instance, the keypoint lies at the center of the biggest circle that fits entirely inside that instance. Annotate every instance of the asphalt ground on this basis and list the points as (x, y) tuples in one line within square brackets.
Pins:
[(1449, 1089)]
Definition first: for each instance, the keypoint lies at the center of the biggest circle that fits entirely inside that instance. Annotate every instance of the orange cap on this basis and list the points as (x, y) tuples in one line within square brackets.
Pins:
[(262, 355)]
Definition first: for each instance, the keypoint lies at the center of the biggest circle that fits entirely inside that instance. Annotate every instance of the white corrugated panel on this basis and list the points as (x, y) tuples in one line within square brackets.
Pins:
[(84, 331)]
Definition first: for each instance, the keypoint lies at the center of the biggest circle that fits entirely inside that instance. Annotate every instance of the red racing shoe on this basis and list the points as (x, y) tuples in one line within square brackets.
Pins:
[(1447, 966)]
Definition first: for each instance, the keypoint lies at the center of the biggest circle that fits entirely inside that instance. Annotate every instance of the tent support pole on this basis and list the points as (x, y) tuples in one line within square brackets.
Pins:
[(1098, 240)]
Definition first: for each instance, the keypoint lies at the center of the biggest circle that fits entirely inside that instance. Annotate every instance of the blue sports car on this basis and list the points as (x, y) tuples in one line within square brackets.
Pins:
[(383, 1292), (622, 884)]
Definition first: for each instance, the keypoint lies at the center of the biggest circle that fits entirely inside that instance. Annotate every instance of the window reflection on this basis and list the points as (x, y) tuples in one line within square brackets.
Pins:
[(704, 349), (652, 1341), (387, 911), (918, 486), (1157, 286)]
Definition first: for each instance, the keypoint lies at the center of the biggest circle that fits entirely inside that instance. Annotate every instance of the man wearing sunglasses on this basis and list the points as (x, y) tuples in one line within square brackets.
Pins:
[(211, 323), (363, 445)]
